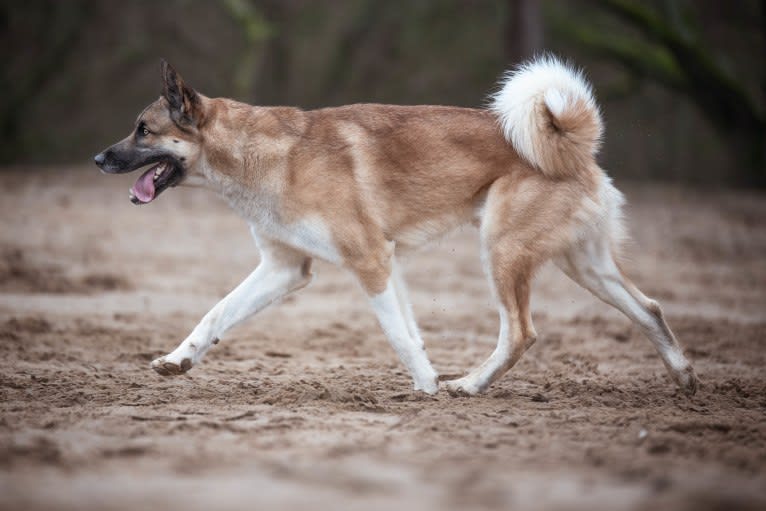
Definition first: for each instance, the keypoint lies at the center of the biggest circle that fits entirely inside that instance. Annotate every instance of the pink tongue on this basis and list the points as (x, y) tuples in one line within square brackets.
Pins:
[(144, 187)]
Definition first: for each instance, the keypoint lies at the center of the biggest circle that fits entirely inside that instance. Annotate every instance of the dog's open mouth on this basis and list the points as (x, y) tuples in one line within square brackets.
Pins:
[(154, 181)]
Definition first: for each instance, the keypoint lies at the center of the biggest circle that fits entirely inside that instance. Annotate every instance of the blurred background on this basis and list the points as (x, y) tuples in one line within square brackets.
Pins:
[(682, 83), (305, 406)]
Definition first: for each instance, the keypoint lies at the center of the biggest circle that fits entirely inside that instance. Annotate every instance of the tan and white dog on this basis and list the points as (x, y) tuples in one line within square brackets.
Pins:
[(359, 184)]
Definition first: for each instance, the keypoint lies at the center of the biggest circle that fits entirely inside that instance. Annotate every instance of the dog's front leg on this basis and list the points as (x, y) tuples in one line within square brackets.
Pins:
[(410, 351), (281, 271)]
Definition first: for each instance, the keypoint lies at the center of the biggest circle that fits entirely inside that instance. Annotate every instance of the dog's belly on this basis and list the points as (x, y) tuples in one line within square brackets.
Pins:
[(426, 230)]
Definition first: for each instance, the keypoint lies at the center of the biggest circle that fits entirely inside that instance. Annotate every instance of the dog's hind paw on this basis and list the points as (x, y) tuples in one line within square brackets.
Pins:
[(687, 380), (166, 368)]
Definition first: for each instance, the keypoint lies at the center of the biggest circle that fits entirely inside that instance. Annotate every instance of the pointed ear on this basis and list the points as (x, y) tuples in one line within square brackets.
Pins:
[(183, 102)]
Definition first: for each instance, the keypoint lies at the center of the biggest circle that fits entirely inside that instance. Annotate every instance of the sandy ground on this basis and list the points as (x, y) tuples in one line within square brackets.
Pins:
[(305, 406)]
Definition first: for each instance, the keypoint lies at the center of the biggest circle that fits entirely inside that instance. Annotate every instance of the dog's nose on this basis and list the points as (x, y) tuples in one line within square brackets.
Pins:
[(99, 159)]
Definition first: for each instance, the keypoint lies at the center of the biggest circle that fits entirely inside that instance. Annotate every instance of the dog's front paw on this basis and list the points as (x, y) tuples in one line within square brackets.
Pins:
[(427, 380), (165, 367), (430, 386)]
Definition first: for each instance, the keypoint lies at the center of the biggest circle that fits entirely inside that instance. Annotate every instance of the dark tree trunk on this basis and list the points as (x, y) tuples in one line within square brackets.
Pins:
[(272, 87), (524, 30)]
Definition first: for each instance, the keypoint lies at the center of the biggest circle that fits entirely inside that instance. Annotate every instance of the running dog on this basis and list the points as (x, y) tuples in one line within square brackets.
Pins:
[(360, 184)]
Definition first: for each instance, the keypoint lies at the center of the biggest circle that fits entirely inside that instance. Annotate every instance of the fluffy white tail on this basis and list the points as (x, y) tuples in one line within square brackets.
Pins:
[(547, 111)]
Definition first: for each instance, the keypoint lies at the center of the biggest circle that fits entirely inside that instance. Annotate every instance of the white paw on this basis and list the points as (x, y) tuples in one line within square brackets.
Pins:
[(430, 388), (686, 379), (461, 387), (429, 385), (166, 367)]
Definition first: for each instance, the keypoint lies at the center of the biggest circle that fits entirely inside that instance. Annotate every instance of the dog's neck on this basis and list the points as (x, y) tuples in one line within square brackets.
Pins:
[(246, 149)]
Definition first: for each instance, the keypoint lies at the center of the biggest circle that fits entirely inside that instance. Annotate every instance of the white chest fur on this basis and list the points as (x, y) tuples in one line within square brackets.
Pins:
[(308, 234)]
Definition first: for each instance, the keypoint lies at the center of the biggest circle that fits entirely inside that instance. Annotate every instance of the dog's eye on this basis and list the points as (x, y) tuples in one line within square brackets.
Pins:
[(142, 130)]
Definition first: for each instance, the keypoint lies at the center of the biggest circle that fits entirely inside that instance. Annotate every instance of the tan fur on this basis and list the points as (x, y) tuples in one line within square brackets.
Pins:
[(571, 142), (377, 174)]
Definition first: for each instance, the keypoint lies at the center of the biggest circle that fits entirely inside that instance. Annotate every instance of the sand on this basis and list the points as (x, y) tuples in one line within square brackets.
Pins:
[(306, 406)]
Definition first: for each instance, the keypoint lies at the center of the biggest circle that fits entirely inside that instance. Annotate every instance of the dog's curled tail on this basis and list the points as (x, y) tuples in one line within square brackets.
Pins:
[(547, 112)]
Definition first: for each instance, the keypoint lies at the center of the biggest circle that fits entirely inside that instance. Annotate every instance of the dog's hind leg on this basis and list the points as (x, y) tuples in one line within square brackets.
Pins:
[(591, 264), (513, 244), (282, 270), (517, 333)]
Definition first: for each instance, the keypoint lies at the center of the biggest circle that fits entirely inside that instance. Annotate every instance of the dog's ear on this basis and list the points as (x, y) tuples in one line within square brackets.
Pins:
[(183, 101)]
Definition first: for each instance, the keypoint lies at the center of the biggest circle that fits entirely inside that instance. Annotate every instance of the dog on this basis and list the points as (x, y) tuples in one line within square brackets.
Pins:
[(359, 185)]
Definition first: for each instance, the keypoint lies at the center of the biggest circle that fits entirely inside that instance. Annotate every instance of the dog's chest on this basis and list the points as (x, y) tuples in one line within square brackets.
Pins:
[(263, 210), (308, 234)]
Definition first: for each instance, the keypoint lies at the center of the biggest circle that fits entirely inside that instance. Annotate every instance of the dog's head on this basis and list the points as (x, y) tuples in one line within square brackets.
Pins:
[(166, 136)]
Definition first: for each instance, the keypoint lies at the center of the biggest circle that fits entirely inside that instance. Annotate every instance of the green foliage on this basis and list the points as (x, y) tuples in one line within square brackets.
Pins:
[(673, 54), (75, 72), (254, 25), (256, 30), (25, 72)]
